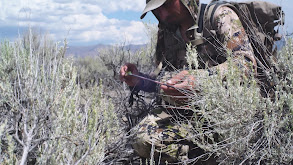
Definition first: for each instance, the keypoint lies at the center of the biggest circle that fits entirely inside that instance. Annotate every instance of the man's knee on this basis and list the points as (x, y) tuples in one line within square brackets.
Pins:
[(148, 144)]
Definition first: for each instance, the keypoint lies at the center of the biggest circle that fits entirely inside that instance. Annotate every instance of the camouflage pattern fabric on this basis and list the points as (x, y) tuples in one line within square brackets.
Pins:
[(170, 48), (163, 133), (234, 37), (157, 135), (230, 40), (166, 139)]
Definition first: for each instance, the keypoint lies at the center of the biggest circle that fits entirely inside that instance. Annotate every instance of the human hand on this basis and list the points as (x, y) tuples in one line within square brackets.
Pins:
[(124, 76), (182, 85)]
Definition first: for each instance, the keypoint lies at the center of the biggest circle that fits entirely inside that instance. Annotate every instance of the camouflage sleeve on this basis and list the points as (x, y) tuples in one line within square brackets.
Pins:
[(234, 37)]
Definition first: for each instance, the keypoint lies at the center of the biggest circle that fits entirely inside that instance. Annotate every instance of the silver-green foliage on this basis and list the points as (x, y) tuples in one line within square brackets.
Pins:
[(46, 118), (91, 70), (236, 124)]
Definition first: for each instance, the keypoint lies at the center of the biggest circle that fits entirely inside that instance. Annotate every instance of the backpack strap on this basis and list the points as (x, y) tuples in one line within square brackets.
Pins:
[(210, 14), (200, 17), (195, 33), (204, 28)]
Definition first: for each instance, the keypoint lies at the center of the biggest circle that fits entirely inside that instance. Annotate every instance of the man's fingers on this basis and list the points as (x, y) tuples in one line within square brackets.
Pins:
[(167, 88), (128, 79), (123, 71), (177, 78), (187, 84), (183, 88)]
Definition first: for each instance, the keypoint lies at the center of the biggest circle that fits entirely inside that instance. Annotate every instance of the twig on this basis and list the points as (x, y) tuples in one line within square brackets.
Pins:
[(183, 91), (157, 82)]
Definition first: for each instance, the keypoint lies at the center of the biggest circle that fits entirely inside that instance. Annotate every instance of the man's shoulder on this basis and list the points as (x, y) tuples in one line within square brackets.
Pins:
[(220, 14)]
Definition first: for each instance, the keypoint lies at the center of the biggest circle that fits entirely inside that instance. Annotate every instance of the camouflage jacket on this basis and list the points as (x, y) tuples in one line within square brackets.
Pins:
[(229, 39)]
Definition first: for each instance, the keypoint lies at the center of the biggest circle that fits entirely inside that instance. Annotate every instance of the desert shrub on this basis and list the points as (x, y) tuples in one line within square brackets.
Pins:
[(90, 70), (46, 118), (234, 123)]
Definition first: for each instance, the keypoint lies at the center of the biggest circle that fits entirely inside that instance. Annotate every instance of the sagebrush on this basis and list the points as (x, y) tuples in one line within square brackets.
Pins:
[(46, 118)]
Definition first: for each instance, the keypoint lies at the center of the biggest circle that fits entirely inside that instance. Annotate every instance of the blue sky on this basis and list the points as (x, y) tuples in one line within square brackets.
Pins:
[(87, 22)]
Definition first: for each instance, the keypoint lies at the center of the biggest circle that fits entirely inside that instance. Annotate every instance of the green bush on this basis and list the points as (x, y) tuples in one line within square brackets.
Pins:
[(238, 126), (90, 70), (46, 118)]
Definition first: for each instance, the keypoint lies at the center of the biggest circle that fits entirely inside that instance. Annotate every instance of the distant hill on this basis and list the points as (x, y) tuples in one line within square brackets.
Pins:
[(93, 50)]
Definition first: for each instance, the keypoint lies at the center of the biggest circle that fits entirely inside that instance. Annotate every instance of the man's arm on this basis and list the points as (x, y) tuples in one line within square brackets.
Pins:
[(234, 39)]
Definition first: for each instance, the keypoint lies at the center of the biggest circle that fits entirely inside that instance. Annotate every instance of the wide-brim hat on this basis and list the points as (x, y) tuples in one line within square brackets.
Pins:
[(151, 5)]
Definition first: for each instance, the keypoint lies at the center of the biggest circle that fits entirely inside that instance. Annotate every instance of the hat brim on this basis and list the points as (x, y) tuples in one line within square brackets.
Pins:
[(151, 5)]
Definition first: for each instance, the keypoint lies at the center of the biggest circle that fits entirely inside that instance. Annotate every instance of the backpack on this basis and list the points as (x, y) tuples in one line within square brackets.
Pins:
[(259, 20)]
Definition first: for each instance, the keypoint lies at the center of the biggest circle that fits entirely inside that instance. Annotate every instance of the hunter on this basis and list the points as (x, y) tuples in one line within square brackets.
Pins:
[(179, 25)]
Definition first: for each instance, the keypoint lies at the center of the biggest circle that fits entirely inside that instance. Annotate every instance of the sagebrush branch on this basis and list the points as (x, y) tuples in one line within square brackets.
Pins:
[(148, 79)]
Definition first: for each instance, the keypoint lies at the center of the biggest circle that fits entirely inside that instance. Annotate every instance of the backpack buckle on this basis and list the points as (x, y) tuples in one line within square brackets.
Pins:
[(194, 36)]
